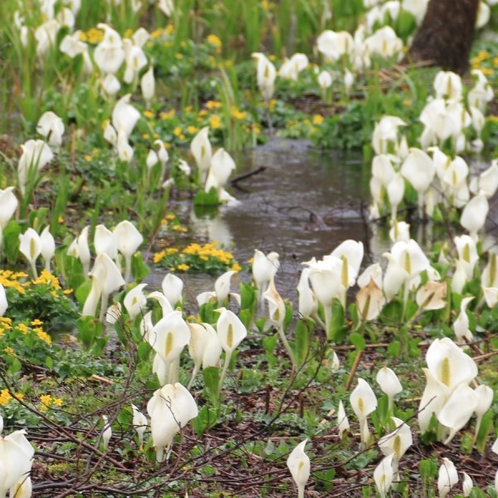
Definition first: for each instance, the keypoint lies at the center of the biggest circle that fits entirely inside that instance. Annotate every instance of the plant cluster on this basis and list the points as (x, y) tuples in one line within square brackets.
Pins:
[(123, 391)]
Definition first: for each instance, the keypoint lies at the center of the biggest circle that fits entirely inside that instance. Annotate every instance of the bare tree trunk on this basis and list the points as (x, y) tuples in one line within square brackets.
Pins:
[(445, 35)]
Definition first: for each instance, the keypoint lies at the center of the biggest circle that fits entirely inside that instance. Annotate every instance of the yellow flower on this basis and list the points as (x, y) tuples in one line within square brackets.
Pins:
[(156, 33), (149, 114), (45, 400), (57, 401), (179, 56), (215, 122), (47, 278), (317, 119), (213, 104), (256, 128), (215, 40), (236, 267), (238, 114), (167, 115), (60, 219), (192, 129), (67, 291), (9, 351), (182, 267), (170, 29), (22, 328), (177, 131), (158, 256), (88, 158), (42, 335), (5, 397), (95, 35), (36, 322)]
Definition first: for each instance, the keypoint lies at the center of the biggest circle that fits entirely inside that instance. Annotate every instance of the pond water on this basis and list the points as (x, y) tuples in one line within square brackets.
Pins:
[(302, 204)]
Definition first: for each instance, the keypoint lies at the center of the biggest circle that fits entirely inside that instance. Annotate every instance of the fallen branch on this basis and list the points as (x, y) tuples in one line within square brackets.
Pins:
[(244, 176)]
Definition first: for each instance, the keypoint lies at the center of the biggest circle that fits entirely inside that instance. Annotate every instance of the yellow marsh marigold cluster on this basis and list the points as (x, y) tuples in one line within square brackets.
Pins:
[(12, 279), (93, 35), (205, 257), (6, 397), (485, 62), (48, 401), (18, 281), (40, 333), (215, 40)]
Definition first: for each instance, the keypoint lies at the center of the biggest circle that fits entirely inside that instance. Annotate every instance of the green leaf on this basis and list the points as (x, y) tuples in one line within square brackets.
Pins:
[(270, 342), (82, 292), (393, 311), (247, 296), (99, 346), (11, 242), (302, 341), (207, 313), (338, 328), (125, 416), (246, 317), (394, 349), (353, 312), (139, 268), (206, 418), (143, 350), (37, 218), (203, 198), (70, 268), (484, 431), (89, 328), (358, 341), (211, 382), (15, 366)]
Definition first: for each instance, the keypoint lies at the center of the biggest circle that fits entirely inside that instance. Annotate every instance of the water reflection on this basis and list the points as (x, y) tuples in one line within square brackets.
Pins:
[(303, 205)]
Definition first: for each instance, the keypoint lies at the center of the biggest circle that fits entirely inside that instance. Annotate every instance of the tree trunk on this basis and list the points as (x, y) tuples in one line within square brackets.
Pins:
[(445, 36)]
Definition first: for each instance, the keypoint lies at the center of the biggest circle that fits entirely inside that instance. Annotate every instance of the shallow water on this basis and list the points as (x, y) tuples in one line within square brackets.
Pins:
[(302, 205)]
